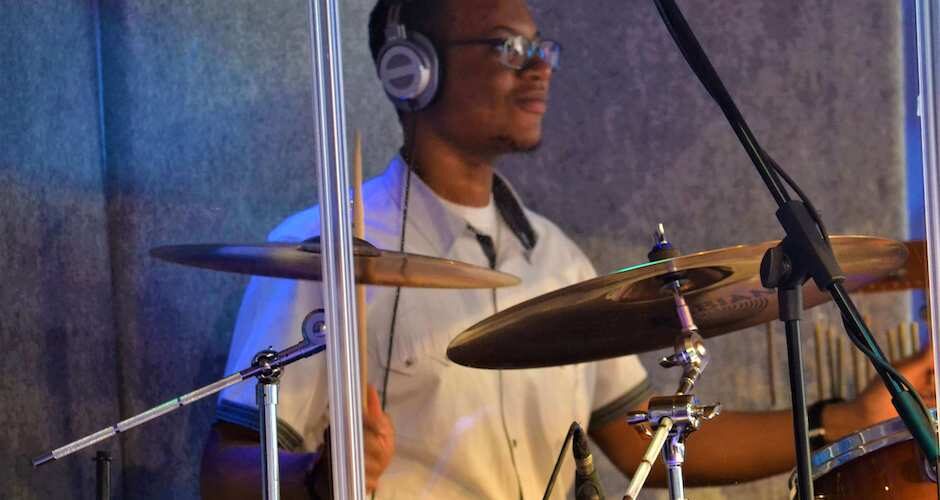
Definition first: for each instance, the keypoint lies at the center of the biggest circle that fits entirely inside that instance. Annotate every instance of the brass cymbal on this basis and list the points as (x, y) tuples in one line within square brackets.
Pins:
[(302, 261), (628, 311), (911, 276)]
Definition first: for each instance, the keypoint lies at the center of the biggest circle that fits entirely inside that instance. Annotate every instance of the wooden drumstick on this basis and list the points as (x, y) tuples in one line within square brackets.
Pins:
[(771, 360), (859, 365), (845, 357), (915, 337), (904, 341), (868, 370), (835, 363), (359, 231), (858, 370), (820, 364), (892, 345)]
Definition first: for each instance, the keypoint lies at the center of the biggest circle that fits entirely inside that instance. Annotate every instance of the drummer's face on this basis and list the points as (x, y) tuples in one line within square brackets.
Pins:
[(486, 106)]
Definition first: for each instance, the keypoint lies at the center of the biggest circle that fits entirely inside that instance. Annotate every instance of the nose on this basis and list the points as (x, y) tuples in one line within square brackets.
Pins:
[(537, 69)]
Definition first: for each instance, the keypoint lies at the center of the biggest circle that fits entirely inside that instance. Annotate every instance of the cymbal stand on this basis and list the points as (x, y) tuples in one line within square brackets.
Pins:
[(674, 417), (266, 366), (806, 250)]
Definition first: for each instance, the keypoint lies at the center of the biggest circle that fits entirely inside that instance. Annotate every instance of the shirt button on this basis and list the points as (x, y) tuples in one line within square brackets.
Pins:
[(409, 362), (514, 443)]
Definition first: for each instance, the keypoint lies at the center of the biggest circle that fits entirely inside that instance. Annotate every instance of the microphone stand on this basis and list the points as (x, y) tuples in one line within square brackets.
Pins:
[(266, 367), (102, 475), (804, 253)]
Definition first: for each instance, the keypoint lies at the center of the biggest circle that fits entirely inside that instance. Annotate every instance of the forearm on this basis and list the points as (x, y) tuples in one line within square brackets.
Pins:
[(734, 447), (740, 446), (232, 469)]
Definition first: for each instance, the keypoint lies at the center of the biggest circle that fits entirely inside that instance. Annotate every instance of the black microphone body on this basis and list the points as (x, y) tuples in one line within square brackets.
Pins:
[(587, 486)]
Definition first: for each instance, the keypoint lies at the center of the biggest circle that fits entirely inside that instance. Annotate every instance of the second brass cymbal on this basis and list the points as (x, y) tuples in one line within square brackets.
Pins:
[(628, 311), (911, 276), (302, 261)]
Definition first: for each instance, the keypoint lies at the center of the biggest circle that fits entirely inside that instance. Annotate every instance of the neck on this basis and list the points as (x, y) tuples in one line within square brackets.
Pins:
[(453, 173)]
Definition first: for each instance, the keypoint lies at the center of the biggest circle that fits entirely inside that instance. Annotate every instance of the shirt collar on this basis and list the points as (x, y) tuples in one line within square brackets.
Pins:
[(429, 217)]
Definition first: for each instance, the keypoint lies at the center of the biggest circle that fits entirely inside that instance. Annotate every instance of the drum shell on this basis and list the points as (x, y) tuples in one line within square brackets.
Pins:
[(893, 472), (880, 462)]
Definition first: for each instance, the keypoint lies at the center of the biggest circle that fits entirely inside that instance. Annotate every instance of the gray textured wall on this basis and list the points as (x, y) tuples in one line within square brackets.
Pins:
[(204, 133), (59, 374)]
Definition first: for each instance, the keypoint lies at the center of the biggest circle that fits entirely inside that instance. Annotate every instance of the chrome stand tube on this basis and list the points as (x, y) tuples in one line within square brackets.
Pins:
[(337, 252), (674, 456), (266, 400), (266, 366), (928, 65), (646, 464)]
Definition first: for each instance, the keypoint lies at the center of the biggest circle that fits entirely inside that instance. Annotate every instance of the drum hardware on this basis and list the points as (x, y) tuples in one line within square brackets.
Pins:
[(266, 401), (674, 417), (266, 367)]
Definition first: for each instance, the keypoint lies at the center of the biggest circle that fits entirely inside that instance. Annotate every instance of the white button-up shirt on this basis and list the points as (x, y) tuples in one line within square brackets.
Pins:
[(460, 432)]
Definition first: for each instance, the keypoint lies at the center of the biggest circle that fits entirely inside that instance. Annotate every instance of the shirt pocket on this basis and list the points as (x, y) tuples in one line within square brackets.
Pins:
[(418, 341)]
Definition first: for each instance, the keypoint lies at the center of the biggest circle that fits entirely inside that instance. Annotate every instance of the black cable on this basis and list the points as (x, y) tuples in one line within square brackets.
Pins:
[(407, 151), (697, 59), (799, 192), (702, 67), (886, 368), (558, 461)]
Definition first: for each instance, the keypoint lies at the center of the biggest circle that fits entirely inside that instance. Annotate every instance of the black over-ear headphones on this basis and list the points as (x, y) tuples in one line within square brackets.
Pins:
[(407, 64)]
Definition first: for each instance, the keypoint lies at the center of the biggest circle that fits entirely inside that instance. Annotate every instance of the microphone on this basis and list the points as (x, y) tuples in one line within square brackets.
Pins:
[(587, 486)]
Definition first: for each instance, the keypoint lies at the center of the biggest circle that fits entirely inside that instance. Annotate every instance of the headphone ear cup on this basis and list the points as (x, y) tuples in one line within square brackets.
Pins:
[(410, 71)]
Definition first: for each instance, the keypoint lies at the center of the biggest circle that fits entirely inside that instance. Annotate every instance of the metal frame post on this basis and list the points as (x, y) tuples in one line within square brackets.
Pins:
[(337, 252), (928, 69)]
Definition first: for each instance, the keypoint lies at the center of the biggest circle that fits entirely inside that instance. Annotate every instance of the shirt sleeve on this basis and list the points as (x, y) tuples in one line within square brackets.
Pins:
[(271, 316), (621, 385)]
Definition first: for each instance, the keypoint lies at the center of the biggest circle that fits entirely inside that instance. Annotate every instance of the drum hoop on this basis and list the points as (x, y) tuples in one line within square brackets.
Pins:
[(860, 444)]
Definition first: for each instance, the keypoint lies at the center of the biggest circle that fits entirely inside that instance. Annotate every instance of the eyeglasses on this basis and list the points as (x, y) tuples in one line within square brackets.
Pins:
[(517, 51)]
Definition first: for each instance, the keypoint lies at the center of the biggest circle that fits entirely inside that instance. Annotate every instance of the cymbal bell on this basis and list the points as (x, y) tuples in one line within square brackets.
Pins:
[(302, 261), (629, 311)]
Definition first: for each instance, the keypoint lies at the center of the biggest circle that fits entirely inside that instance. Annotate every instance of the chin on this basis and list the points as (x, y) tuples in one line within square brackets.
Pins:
[(518, 143)]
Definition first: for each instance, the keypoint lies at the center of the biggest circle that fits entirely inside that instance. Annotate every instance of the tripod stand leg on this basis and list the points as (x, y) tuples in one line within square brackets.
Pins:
[(643, 470), (266, 394), (674, 456)]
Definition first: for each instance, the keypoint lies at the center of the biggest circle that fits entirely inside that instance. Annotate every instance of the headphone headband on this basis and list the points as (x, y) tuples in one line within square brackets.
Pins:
[(394, 29), (407, 64)]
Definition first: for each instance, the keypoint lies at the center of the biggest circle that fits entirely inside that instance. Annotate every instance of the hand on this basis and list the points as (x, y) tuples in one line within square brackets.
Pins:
[(378, 437), (873, 405)]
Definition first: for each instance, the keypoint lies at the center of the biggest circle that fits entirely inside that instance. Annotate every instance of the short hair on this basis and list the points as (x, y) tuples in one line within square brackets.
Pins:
[(422, 16)]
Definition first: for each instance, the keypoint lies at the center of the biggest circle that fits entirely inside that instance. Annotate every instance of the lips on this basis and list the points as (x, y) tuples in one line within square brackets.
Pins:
[(533, 102)]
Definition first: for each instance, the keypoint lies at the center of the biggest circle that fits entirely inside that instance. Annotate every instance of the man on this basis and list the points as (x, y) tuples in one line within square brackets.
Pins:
[(459, 432)]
